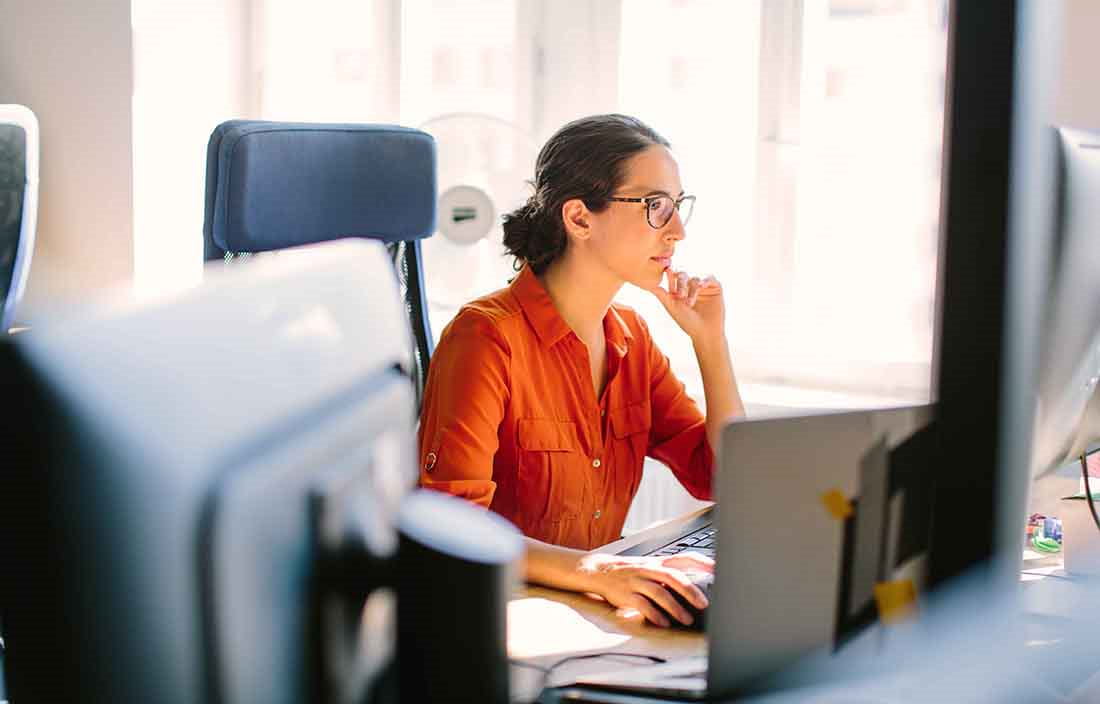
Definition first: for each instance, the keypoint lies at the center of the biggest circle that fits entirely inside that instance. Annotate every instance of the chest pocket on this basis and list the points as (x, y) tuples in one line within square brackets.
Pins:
[(630, 426), (550, 473), (632, 421)]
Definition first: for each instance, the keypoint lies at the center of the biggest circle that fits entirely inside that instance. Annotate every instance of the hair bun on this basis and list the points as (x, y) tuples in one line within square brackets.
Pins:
[(518, 227)]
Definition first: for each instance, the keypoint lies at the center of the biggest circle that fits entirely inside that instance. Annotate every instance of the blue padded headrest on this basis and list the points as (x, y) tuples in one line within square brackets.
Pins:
[(272, 185)]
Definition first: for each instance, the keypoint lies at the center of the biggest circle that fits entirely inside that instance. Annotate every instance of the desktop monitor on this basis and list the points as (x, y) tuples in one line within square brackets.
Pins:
[(1019, 299), (1068, 412), (179, 469), (18, 205)]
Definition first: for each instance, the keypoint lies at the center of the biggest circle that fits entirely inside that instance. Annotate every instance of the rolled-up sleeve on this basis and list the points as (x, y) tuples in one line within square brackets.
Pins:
[(464, 401), (678, 435)]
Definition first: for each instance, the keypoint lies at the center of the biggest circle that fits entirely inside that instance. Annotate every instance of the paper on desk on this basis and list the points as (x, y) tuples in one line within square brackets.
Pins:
[(539, 627)]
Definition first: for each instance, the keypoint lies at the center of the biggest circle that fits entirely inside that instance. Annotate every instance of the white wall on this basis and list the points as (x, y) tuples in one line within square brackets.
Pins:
[(71, 62)]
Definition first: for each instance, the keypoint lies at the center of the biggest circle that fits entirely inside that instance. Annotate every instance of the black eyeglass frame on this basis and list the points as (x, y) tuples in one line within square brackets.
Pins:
[(676, 202)]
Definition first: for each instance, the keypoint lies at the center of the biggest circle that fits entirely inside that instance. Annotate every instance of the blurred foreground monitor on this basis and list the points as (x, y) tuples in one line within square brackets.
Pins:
[(173, 469)]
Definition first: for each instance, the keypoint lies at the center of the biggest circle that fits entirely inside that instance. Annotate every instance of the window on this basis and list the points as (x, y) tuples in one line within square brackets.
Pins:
[(324, 61), (810, 130), (851, 304), (185, 82), (817, 169), (462, 57)]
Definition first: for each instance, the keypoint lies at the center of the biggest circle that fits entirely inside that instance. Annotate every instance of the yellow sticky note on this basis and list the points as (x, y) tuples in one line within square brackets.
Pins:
[(896, 600), (837, 504)]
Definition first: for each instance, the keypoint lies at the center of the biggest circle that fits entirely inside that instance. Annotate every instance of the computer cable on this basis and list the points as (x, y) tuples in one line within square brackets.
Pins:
[(1088, 491), (547, 671)]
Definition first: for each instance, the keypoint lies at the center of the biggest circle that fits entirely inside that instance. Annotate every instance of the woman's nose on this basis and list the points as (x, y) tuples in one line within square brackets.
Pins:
[(674, 230)]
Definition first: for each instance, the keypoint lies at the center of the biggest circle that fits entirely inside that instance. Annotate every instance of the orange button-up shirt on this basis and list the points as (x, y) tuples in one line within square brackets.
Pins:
[(511, 420)]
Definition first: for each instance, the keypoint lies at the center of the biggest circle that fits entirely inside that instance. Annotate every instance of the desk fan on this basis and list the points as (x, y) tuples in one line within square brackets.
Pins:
[(484, 164)]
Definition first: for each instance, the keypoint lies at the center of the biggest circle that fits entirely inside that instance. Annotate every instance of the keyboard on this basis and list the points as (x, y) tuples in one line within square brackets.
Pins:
[(698, 534), (701, 541)]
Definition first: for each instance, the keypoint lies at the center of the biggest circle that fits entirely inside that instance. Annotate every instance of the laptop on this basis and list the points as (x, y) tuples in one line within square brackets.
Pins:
[(819, 534)]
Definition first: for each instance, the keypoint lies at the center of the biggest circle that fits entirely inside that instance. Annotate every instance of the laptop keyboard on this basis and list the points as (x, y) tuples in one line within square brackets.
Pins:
[(701, 541)]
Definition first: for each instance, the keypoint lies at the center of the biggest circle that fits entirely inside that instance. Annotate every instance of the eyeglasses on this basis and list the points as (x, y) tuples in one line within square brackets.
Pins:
[(659, 208)]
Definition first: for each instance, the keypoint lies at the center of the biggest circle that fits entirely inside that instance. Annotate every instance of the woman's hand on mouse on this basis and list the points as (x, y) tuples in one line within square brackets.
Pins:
[(696, 304), (638, 585)]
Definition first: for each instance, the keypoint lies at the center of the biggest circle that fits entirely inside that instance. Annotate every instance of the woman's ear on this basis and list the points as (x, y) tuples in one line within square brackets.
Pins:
[(577, 218)]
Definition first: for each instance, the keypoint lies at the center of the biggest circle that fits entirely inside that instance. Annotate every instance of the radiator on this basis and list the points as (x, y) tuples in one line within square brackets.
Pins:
[(659, 498)]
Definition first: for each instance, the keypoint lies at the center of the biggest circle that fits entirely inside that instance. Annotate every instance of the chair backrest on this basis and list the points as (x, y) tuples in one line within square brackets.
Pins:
[(275, 185), (18, 205)]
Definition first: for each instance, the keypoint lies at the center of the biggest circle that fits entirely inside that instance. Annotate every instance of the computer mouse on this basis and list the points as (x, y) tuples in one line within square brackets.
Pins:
[(703, 580)]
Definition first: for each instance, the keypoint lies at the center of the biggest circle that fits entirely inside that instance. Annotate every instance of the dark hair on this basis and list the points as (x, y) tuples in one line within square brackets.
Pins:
[(585, 159)]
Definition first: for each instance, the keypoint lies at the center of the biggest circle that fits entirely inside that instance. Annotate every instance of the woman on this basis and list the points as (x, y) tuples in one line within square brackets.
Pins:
[(543, 398)]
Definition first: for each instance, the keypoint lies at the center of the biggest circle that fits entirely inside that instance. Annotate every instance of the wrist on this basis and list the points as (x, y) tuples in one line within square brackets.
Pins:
[(591, 572), (709, 341)]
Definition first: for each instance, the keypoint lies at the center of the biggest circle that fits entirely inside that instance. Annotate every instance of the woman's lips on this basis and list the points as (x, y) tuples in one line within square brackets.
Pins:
[(665, 262)]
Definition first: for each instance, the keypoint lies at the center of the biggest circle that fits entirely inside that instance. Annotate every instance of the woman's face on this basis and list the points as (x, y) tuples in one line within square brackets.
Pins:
[(621, 236)]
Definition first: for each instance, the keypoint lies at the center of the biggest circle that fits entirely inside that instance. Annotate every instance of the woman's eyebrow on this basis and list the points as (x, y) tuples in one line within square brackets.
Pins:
[(658, 192)]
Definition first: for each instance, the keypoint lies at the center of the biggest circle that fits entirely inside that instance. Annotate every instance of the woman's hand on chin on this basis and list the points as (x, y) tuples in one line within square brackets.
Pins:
[(638, 585), (696, 304)]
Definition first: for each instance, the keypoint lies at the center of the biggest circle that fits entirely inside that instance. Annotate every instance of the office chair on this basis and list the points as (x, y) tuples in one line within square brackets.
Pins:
[(274, 185), (18, 205)]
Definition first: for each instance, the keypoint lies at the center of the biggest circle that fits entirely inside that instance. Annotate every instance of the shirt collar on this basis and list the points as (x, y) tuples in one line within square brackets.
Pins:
[(548, 323), (618, 334)]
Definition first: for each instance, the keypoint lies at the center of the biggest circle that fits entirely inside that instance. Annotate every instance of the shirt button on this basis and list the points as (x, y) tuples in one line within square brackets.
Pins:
[(602, 413), (429, 462), (596, 463), (597, 514)]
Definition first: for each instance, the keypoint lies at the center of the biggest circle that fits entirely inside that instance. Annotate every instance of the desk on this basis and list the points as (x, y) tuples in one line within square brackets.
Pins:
[(547, 625)]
